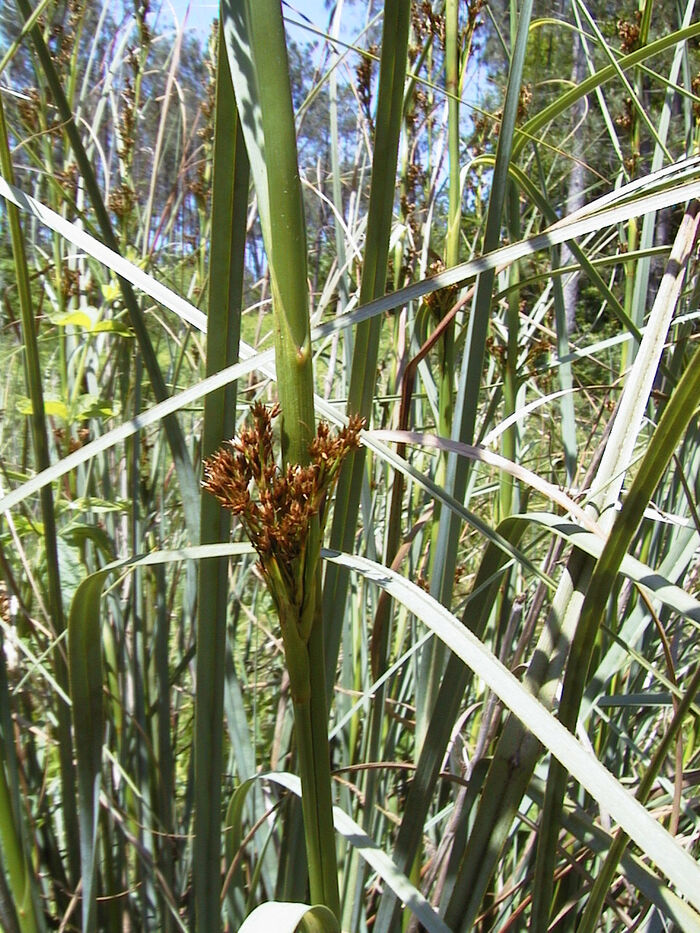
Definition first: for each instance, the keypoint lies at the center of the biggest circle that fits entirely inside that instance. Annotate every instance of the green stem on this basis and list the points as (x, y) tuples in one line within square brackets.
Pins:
[(311, 721), (431, 674), (286, 240), (390, 97), (257, 48), (452, 86), (509, 443)]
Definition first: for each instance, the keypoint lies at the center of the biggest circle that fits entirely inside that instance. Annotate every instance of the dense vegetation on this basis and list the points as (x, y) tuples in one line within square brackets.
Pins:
[(456, 244)]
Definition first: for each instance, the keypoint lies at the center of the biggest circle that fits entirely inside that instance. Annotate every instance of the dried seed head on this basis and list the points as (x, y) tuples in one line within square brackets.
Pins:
[(276, 506), (227, 476)]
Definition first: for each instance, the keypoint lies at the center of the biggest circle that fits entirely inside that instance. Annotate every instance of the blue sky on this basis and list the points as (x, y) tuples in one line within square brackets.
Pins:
[(201, 12)]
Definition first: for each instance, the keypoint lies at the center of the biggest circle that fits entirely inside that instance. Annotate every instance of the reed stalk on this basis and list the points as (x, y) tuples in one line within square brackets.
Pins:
[(284, 231)]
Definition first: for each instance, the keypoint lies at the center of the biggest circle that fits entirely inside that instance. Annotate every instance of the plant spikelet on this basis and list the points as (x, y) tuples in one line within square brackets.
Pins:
[(277, 506)]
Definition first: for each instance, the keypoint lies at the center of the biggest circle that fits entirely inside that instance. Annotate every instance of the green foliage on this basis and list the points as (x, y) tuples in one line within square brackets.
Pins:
[(403, 241)]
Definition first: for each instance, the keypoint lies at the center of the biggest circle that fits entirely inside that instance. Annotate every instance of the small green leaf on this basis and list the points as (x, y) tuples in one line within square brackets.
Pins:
[(52, 406), (71, 568), (90, 406), (72, 319), (110, 291), (76, 535), (90, 320), (112, 327)]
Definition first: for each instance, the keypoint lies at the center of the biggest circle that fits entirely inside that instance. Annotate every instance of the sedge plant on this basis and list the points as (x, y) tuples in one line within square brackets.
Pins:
[(285, 527), (566, 562)]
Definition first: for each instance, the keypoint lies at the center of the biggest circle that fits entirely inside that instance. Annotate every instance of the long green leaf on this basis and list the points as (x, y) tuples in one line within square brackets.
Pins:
[(85, 666), (285, 229), (650, 836), (363, 373), (679, 410), (226, 266)]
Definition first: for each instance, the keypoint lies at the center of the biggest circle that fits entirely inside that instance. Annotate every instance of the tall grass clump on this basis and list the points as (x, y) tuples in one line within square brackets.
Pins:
[(350, 461)]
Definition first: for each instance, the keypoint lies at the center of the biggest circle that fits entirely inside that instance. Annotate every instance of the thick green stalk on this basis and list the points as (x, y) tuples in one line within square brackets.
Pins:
[(311, 720), (165, 791), (286, 244), (287, 260), (227, 251), (257, 45)]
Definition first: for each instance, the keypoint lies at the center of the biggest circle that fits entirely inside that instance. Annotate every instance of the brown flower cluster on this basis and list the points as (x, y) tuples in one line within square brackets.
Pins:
[(629, 33), (276, 506)]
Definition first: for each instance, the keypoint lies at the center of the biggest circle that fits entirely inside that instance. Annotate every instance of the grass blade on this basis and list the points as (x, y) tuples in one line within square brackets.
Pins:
[(390, 93), (226, 266)]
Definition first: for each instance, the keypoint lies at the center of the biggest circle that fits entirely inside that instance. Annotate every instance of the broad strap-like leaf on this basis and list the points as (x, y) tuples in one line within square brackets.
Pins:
[(85, 672)]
